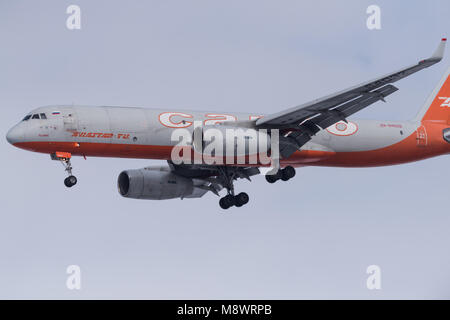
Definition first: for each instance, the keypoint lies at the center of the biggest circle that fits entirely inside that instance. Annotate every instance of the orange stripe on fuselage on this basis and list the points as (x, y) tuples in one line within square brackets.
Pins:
[(404, 151), (140, 151), (94, 149)]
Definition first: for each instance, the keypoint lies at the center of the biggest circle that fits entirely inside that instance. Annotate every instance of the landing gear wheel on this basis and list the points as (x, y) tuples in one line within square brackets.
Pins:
[(227, 201), (241, 199), (70, 181), (271, 178), (283, 174), (223, 204), (287, 173), (231, 199)]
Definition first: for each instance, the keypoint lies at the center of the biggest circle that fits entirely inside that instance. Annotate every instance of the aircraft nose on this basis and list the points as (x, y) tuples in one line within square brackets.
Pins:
[(14, 135)]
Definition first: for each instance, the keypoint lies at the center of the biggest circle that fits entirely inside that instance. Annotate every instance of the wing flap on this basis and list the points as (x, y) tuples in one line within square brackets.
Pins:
[(294, 140), (330, 117)]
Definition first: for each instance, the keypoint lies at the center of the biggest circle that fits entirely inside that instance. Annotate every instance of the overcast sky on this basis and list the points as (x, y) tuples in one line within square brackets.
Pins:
[(311, 237)]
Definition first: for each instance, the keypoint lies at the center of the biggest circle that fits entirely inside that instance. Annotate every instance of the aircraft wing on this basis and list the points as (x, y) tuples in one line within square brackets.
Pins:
[(212, 178), (304, 121)]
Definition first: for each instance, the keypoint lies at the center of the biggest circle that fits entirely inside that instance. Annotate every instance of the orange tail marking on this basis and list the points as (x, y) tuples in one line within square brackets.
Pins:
[(440, 107)]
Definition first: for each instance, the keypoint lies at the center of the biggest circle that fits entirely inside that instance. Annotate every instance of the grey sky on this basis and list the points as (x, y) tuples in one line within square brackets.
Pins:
[(312, 237)]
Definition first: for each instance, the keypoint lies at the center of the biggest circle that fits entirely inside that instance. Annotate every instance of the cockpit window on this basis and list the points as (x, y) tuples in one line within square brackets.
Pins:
[(35, 116)]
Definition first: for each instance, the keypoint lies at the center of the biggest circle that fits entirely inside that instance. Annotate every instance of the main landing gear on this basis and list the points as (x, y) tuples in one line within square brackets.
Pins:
[(231, 199), (64, 157), (283, 174)]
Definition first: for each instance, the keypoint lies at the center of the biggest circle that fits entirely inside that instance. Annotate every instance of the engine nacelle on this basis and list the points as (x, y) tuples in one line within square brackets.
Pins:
[(156, 183)]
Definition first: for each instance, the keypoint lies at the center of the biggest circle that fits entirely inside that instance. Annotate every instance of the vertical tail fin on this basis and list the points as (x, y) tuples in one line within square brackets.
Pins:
[(437, 106)]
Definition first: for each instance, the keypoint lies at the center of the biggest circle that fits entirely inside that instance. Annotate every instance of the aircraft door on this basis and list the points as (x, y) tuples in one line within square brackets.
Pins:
[(422, 139), (69, 120)]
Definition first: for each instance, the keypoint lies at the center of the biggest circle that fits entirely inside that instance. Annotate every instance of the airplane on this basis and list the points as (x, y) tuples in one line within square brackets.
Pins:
[(316, 133)]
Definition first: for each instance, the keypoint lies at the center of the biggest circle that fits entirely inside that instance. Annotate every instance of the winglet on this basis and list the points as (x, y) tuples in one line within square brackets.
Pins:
[(439, 53)]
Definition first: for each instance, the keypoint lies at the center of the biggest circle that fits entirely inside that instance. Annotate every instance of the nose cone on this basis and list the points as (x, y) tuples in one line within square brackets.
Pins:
[(15, 135)]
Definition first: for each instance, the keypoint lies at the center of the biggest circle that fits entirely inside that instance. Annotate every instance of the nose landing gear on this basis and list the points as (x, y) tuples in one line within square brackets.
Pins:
[(64, 157), (70, 181)]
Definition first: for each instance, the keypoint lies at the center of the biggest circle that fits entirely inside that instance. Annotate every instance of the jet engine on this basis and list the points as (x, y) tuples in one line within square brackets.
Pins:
[(157, 183)]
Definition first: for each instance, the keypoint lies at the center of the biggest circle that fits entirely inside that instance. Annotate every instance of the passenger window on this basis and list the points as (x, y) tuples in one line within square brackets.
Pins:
[(43, 116), (27, 117), (35, 116)]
